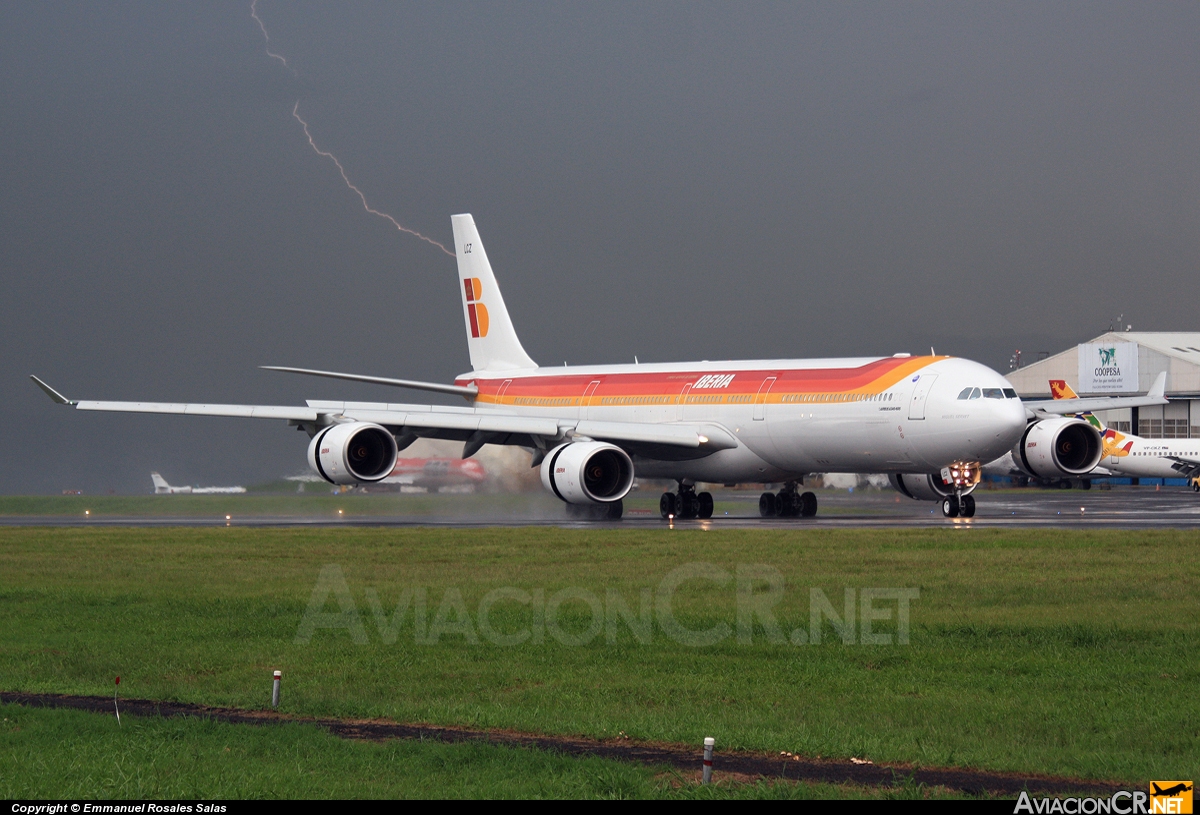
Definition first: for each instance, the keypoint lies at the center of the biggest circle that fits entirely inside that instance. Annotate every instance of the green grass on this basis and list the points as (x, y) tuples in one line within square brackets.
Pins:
[(70, 754), (1055, 652)]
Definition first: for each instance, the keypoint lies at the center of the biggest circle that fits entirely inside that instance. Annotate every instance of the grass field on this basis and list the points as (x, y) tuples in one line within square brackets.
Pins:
[(69, 754), (1067, 653)]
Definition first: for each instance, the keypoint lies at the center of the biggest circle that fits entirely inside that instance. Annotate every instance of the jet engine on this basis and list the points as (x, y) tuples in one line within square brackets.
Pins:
[(590, 472), (921, 487), (353, 453), (1052, 448)]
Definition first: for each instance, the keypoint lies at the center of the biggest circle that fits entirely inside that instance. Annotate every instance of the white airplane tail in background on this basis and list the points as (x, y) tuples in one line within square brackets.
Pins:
[(160, 483), (491, 338)]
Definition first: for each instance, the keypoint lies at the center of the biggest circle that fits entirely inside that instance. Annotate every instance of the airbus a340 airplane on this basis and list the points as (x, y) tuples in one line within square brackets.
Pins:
[(590, 428)]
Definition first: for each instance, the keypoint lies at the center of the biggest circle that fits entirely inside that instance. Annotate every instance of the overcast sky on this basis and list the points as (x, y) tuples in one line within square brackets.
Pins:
[(672, 180)]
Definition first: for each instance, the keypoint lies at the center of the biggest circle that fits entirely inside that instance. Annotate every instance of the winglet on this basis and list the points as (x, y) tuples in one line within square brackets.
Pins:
[(52, 393), (1159, 388)]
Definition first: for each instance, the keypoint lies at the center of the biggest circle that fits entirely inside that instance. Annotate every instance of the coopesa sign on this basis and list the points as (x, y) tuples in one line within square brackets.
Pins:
[(1108, 367)]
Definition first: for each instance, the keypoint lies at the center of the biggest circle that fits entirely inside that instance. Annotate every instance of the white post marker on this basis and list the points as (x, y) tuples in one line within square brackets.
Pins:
[(275, 689), (706, 775)]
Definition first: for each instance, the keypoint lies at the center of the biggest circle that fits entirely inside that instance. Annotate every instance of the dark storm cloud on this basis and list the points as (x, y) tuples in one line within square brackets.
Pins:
[(669, 180)]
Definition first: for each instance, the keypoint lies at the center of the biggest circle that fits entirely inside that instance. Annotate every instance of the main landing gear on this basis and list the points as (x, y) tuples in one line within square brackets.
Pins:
[(956, 506), (789, 503), (686, 503)]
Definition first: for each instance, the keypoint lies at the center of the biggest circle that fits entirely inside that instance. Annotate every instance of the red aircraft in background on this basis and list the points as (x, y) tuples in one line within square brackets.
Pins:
[(435, 473)]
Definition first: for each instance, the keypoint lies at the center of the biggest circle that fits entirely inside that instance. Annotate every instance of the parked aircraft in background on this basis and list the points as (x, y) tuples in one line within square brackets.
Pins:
[(1115, 446), (161, 487), (1128, 455), (929, 421)]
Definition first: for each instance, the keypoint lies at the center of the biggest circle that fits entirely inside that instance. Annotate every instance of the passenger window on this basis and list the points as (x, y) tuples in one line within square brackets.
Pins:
[(966, 393), (975, 393), (1009, 393), (993, 393)]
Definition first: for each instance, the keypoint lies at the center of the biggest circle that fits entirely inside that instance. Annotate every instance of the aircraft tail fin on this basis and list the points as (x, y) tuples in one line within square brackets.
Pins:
[(160, 483), (1061, 390), (491, 338)]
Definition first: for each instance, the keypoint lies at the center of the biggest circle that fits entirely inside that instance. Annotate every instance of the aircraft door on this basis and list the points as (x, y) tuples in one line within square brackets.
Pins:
[(683, 396), (760, 400), (585, 402), (501, 390), (920, 394)]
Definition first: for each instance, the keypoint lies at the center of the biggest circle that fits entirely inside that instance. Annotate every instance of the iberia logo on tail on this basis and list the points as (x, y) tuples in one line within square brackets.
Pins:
[(1114, 441), (476, 310)]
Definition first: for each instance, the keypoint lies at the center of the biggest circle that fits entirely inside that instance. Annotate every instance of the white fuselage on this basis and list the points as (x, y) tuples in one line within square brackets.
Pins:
[(789, 417)]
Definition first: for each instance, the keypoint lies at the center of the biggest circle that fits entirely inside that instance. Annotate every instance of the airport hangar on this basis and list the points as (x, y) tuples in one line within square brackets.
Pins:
[(1126, 363)]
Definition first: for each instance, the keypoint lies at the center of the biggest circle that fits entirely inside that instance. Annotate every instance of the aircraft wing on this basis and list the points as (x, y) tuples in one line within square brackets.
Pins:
[(433, 421), (297, 414), (1154, 396), (1186, 467)]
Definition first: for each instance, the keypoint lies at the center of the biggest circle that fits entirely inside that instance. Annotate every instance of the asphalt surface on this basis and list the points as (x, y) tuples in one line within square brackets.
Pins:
[(1120, 507)]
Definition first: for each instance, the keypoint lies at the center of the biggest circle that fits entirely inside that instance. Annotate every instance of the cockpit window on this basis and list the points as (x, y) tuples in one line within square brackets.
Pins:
[(976, 393), (965, 394), (1009, 393), (993, 393)]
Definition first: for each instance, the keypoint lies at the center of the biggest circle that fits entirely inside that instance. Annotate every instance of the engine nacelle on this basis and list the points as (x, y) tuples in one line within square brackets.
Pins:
[(588, 472), (925, 487), (1052, 448), (353, 453)]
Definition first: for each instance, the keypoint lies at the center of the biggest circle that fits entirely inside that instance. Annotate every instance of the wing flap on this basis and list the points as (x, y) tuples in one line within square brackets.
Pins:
[(1187, 468)]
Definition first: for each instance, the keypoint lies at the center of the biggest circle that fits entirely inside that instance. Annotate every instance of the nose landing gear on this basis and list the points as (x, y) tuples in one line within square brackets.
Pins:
[(686, 503), (958, 506), (788, 503)]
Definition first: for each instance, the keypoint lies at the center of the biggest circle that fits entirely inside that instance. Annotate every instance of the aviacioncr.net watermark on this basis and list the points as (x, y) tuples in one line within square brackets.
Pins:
[(577, 616)]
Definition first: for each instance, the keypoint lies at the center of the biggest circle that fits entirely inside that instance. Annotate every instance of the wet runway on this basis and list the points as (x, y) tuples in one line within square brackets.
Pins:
[(1121, 507)]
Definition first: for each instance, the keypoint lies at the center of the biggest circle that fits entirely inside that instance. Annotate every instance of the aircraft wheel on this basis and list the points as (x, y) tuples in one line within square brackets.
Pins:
[(787, 504), (689, 505), (808, 505), (706, 505), (613, 510), (1065, 484), (668, 505), (1085, 484), (967, 510), (767, 505), (950, 506)]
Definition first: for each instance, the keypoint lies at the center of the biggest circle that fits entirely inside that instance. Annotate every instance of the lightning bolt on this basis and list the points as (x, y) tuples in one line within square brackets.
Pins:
[(296, 113), (363, 198), (267, 37)]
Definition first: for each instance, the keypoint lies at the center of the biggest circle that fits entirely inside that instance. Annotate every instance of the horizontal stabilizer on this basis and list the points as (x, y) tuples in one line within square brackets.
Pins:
[(468, 391)]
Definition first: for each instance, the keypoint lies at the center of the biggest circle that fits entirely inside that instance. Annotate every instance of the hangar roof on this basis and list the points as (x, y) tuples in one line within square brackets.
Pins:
[(1176, 352)]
